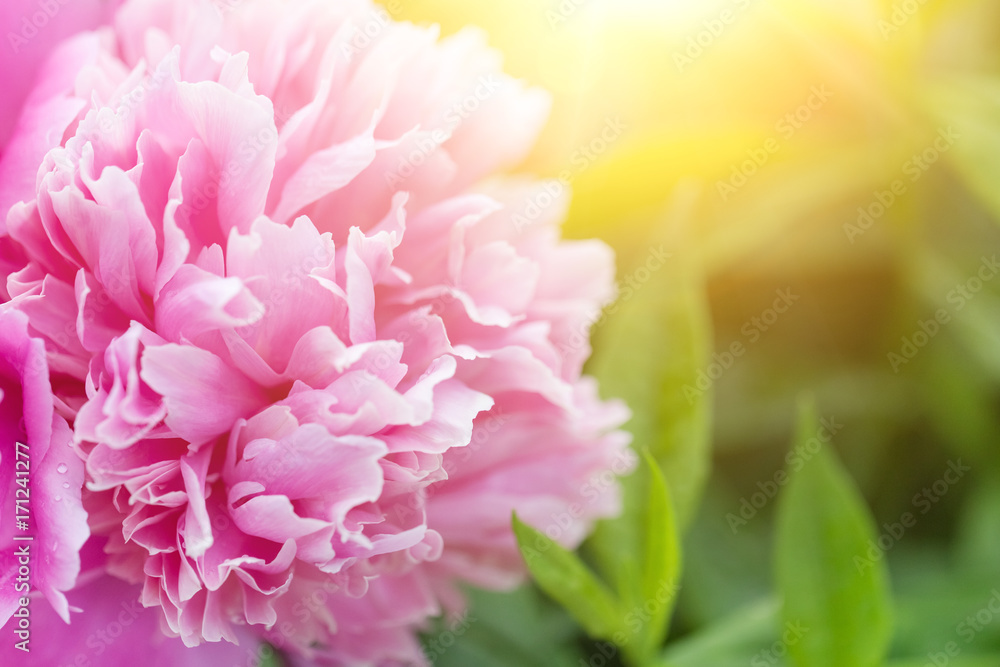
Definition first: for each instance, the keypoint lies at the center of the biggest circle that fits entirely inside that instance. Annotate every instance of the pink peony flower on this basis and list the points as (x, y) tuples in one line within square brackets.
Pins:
[(311, 363)]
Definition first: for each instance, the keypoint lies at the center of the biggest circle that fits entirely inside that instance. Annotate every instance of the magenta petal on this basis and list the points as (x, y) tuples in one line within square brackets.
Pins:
[(52, 486)]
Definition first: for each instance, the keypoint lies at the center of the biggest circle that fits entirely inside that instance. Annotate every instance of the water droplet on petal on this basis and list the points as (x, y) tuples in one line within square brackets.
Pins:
[(58, 498), (62, 468), (65, 485)]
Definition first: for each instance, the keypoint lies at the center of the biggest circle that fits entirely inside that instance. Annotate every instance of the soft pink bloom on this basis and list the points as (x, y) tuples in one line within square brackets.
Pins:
[(312, 361), (40, 479), (36, 73)]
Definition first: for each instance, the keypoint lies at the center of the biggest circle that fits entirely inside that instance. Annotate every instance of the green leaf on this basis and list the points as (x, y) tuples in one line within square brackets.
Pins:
[(640, 625), (837, 599), (566, 579), (660, 568)]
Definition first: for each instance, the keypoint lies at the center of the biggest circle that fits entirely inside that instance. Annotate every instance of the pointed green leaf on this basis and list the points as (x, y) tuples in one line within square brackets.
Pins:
[(566, 579), (660, 567), (835, 598)]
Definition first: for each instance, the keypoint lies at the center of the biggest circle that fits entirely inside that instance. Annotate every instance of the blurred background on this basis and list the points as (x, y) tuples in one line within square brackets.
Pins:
[(826, 179)]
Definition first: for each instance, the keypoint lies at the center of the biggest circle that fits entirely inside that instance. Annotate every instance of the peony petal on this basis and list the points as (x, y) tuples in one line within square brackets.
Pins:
[(189, 379)]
